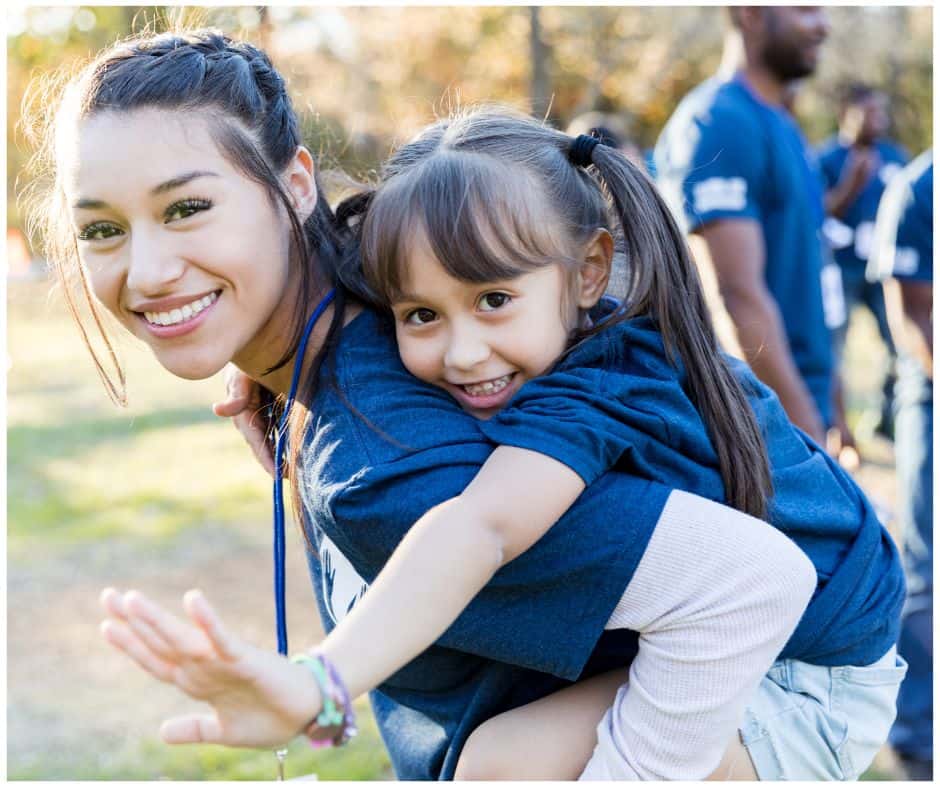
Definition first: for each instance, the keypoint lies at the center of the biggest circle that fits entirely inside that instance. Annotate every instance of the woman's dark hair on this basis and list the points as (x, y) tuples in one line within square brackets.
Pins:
[(234, 85), (495, 195)]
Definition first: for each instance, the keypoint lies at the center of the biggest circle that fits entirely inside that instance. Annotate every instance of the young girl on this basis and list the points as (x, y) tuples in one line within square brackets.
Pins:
[(491, 244), (174, 249)]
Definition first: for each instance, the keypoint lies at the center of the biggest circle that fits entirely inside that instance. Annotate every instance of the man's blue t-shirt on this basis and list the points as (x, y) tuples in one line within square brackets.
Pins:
[(904, 250), (851, 234), (616, 402), (382, 449), (725, 154)]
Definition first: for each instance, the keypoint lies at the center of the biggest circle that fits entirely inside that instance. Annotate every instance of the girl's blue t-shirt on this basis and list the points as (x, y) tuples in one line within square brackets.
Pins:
[(382, 449), (616, 402)]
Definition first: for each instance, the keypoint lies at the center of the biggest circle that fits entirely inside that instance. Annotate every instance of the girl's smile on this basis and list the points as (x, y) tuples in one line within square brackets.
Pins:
[(488, 395)]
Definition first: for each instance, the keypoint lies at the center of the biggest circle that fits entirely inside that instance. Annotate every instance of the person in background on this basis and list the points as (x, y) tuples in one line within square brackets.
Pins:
[(902, 257), (857, 163), (612, 130), (735, 167)]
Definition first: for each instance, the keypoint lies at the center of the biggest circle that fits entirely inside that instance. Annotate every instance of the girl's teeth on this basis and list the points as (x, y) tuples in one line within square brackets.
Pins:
[(490, 387), (175, 316)]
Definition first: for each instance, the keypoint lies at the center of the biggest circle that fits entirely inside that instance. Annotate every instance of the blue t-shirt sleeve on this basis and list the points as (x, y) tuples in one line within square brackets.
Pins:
[(546, 609), (914, 245), (726, 169), (830, 162)]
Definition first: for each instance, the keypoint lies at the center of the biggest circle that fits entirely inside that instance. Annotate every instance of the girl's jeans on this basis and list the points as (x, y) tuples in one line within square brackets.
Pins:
[(912, 735)]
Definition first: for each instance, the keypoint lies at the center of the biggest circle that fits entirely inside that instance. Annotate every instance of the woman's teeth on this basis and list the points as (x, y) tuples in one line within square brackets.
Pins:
[(185, 312), (489, 387)]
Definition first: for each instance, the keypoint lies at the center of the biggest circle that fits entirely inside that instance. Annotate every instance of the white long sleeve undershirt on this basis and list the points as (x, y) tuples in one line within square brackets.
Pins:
[(714, 598)]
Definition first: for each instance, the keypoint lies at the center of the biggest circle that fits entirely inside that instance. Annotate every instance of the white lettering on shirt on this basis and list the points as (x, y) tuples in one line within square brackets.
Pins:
[(720, 194)]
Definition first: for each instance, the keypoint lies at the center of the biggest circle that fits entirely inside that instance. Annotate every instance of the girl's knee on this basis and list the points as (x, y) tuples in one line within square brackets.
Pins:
[(482, 758)]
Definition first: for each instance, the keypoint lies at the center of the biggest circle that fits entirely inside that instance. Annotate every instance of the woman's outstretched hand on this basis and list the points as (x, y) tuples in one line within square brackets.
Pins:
[(243, 404), (258, 698)]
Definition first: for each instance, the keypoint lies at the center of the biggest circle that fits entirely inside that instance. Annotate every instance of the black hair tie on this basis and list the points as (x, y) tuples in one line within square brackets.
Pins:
[(580, 150)]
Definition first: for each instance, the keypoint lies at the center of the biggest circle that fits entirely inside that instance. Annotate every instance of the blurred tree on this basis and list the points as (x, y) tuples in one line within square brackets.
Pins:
[(366, 78)]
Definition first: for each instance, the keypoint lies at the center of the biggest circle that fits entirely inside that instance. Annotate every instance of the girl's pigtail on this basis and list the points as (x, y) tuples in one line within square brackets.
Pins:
[(662, 281)]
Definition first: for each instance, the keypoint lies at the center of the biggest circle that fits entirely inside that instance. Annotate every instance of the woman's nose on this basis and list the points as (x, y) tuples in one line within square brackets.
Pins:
[(152, 267)]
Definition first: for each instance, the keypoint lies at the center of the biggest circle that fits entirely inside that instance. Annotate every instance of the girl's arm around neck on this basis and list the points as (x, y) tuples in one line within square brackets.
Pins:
[(446, 558)]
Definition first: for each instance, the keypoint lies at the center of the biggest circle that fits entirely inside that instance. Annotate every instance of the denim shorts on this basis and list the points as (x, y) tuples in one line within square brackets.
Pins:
[(809, 722)]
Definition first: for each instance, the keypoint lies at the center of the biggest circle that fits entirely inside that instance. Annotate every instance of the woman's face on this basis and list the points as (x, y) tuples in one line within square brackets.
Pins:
[(189, 254)]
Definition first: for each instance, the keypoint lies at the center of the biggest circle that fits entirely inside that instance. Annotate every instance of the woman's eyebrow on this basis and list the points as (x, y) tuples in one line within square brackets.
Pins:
[(172, 183)]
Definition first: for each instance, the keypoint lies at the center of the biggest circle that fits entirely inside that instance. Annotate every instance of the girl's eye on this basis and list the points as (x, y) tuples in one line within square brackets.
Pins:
[(99, 231), (184, 208), (490, 302), (420, 317)]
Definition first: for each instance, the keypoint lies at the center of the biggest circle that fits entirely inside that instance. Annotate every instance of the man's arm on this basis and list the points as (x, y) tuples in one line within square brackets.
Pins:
[(734, 250), (909, 305), (859, 165)]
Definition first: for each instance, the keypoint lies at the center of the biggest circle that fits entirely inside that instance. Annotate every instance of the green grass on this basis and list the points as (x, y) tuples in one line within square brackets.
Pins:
[(157, 480), (363, 758), (154, 476)]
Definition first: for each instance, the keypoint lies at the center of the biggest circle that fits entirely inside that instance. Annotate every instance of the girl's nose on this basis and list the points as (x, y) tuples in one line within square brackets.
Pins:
[(467, 349)]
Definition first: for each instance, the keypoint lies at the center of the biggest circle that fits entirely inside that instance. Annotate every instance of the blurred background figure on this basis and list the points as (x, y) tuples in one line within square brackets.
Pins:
[(736, 168), (902, 257), (857, 163), (612, 130)]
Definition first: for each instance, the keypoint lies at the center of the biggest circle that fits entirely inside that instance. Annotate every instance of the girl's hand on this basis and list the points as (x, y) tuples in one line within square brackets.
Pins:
[(242, 404), (258, 698)]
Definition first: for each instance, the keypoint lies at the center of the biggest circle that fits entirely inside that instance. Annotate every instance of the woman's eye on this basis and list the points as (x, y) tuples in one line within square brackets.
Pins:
[(99, 231), (493, 301), (420, 317), (184, 208)]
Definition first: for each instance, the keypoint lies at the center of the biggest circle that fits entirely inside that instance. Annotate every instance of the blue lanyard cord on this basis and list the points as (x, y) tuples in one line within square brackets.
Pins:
[(280, 435)]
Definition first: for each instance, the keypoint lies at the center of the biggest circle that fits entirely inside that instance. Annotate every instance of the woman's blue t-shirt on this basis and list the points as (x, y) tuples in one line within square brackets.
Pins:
[(616, 402), (383, 448)]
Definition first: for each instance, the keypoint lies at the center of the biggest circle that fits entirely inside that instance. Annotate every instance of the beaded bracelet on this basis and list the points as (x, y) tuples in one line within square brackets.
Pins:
[(332, 691)]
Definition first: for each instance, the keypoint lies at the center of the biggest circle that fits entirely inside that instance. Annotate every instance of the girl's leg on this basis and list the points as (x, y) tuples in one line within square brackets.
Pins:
[(549, 739), (553, 738)]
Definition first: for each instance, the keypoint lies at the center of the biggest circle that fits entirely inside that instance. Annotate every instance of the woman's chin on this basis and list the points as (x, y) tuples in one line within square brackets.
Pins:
[(190, 369)]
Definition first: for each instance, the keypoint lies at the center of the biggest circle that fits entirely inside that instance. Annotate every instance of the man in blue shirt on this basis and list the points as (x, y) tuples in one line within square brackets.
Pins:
[(902, 257), (737, 170), (857, 164)]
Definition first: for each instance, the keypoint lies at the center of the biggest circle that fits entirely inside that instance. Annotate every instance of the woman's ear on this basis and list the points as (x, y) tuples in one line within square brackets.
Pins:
[(300, 181), (595, 269)]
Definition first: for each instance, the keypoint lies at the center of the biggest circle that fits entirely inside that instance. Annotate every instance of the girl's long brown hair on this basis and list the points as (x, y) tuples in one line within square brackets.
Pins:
[(495, 194)]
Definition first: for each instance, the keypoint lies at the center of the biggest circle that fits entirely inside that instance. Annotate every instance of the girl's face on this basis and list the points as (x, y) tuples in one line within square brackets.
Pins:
[(481, 342), (185, 251)]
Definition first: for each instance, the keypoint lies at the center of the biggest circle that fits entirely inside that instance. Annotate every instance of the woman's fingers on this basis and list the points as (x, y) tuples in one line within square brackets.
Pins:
[(192, 729), (205, 617), (120, 636), (240, 392), (252, 427)]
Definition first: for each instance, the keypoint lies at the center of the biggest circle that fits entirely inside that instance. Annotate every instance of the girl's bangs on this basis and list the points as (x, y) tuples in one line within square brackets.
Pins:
[(482, 222)]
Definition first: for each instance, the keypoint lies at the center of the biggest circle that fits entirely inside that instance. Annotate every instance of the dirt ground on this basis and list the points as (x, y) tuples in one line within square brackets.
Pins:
[(67, 686)]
